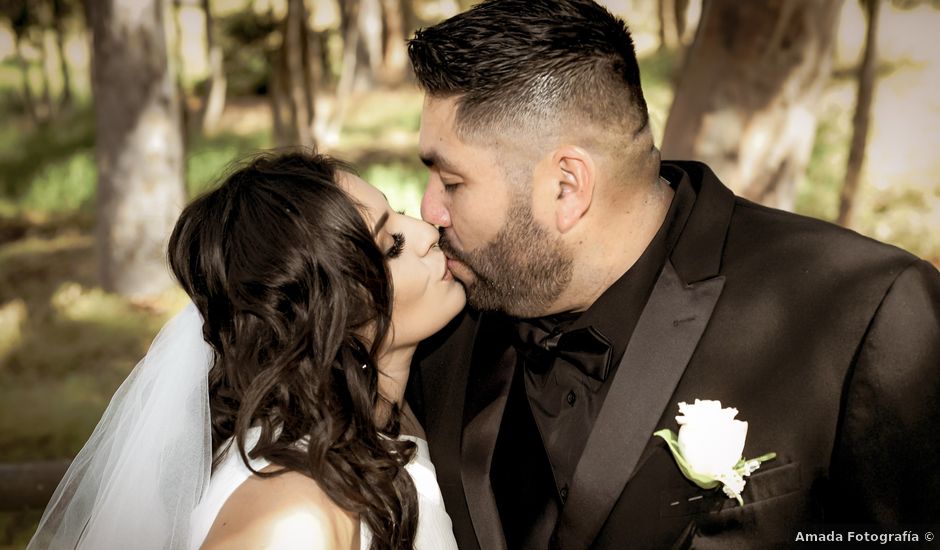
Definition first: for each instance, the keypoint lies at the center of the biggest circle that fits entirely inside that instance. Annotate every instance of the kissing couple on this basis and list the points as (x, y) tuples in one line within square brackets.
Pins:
[(327, 387)]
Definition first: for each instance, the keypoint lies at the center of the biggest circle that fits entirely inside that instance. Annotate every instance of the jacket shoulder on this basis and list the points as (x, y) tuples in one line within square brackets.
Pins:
[(792, 241)]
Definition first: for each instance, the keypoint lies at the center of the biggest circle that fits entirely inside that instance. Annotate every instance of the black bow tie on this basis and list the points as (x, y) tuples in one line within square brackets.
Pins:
[(585, 348)]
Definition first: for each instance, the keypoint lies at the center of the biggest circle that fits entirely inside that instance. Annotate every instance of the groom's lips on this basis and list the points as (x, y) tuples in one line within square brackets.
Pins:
[(450, 265)]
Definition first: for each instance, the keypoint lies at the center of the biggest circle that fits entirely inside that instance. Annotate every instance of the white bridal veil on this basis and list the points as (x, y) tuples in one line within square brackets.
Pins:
[(138, 478)]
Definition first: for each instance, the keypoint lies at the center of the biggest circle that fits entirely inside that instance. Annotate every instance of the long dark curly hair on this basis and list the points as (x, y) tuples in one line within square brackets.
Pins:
[(296, 297)]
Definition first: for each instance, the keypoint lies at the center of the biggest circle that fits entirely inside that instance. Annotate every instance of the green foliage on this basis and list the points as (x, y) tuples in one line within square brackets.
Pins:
[(911, 4), (16, 528), (658, 72), (50, 168), (208, 158), (818, 195), (402, 182), (248, 42)]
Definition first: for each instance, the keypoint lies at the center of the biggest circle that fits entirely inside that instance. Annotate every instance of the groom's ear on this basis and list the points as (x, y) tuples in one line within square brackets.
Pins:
[(575, 175)]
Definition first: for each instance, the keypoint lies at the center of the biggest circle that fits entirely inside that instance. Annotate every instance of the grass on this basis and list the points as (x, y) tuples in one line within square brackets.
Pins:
[(49, 168)]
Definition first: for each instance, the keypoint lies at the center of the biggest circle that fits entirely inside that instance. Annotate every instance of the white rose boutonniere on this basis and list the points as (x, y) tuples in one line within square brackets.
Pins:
[(709, 447)]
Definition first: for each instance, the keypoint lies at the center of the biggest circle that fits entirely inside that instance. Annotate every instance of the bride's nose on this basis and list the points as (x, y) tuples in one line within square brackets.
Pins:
[(428, 237)]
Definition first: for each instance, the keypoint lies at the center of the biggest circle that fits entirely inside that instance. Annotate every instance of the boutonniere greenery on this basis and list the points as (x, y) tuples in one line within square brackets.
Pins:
[(709, 447)]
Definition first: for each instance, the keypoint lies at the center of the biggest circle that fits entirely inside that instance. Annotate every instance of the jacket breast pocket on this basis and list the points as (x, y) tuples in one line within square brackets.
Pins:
[(763, 485)]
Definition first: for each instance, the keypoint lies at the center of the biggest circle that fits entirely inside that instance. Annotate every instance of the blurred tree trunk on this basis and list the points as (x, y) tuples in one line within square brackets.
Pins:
[(139, 145), (178, 62), (862, 118), (409, 18), (395, 54), (747, 97), (371, 44), (214, 102), (328, 130), (29, 102), (58, 22), (280, 106), (313, 70), (292, 92), (48, 109), (326, 76), (298, 71), (669, 16), (41, 16)]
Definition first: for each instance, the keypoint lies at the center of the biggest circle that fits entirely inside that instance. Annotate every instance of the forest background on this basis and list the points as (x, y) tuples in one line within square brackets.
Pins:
[(113, 113)]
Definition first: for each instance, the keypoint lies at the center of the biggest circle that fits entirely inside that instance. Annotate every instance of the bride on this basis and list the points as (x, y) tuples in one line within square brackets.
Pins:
[(270, 412)]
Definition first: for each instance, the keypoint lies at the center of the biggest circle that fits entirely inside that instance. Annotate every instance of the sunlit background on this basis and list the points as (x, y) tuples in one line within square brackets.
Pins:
[(66, 342)]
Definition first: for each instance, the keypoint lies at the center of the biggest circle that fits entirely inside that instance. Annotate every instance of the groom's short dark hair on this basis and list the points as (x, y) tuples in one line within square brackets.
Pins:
[(514, 60)]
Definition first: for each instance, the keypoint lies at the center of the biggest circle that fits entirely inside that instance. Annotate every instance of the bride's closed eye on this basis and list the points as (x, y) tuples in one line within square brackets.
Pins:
[(397, 246), (399, 242)]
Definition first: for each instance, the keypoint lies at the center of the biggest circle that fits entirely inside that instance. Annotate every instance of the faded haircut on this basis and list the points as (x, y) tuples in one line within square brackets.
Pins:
[(533, 64)]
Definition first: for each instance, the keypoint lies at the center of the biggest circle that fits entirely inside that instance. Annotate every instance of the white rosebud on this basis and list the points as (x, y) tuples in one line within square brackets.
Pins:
[(710, 439)]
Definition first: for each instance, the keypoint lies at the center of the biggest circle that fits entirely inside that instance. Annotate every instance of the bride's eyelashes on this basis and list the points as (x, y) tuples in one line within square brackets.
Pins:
[(397, 246)]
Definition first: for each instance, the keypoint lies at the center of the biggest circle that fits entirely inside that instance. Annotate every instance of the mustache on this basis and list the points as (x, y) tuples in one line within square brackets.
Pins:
[(449, 250)]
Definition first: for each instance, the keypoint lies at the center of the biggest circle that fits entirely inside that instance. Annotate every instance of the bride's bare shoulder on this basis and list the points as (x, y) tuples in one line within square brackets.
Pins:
[(287, 511)]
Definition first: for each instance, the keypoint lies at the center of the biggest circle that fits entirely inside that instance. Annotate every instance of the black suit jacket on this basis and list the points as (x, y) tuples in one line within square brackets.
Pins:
[(828, 343)]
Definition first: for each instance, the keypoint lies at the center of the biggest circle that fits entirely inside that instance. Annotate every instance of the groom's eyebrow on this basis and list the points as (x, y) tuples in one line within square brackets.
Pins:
[(432, 159), (380, 224)]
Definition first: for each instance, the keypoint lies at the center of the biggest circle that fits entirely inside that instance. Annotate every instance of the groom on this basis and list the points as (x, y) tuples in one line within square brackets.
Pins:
[(607, 287)]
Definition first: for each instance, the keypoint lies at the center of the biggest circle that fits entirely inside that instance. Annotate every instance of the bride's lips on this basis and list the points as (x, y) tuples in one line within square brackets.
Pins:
[(448, 268), (449, 265)]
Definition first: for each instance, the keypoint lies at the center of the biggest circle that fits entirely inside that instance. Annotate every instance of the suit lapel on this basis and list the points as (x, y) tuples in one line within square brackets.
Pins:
[(668, 331), (438, 385), (490, 378), (662, 344)]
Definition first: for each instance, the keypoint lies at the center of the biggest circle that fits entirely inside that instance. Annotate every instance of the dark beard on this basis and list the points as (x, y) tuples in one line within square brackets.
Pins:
[(521, 272)]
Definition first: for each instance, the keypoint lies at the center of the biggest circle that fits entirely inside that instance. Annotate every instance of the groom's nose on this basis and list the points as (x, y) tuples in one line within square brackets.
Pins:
[(433, 207)]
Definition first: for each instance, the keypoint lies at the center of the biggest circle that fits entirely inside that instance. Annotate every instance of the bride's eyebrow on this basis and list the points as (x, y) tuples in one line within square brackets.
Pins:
[(380, 224)]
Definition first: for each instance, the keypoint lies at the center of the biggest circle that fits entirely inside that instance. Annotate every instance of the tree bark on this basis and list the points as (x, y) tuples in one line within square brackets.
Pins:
[(48, 109), (296, 50), (370, 38), (58, 23), (747, 97), (178, 62), (280, 101), (213, 104), (292, 93), (395, 54), (329, 129), (29, 102), (139, 146), (410, 19), (862, 118), (668, 26)]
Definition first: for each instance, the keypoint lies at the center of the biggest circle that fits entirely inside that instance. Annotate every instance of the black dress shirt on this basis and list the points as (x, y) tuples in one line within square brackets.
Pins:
[(563, 402)]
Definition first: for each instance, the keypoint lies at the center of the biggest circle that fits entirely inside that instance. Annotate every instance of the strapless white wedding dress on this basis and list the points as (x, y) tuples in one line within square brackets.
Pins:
[(435, 531)]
